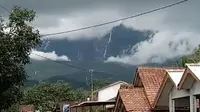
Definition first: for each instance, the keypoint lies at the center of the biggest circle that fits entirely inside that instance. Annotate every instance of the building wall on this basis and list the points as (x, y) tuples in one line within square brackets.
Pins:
[(196, 88), (108, 93), (179, 93)]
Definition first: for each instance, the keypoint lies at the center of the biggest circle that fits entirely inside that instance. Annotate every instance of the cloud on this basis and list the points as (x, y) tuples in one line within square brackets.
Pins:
[(162, 46), (53, 16), (39, 55), (80, 21), (178, 26)]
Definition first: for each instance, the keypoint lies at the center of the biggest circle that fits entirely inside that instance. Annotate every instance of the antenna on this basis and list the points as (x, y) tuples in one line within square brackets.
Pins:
[(91, 79)]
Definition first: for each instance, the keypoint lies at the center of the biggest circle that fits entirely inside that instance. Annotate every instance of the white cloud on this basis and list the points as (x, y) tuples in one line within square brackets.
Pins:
[(39, 55), (178, 35), (79, 21), (174, 25), (164, 45)]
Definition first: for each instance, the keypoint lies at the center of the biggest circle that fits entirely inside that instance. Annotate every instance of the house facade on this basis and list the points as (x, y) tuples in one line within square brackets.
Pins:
[(181, 89), (108, 92), (141, 96)]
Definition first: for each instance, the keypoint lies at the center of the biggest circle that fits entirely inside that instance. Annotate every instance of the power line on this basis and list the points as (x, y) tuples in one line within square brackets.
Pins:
[(4, 8), (114, 21), (110, 22)]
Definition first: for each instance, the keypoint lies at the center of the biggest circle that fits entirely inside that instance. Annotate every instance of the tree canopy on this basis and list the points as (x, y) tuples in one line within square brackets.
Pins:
[(47, 96), (193, 58), (17, 39)]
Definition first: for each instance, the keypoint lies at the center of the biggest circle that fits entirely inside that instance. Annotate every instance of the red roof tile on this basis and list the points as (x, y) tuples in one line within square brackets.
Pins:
[(134, 99), (152, 78)]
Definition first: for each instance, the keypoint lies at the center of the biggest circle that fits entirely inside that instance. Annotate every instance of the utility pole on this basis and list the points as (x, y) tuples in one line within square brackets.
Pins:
[(91, 79)]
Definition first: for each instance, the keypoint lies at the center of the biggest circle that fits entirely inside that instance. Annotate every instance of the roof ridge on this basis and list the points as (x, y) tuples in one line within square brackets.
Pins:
[(157, 67), (175, 70), (109, 85)]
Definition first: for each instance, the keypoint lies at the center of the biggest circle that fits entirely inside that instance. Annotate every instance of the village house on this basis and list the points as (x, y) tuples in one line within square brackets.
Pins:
[(155, 89), (103, 98), (141, 96), (108, 92), (182, 89), (169, 91)]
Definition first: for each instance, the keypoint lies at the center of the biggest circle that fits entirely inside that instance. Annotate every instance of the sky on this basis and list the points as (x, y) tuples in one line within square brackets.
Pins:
[(178, 26)]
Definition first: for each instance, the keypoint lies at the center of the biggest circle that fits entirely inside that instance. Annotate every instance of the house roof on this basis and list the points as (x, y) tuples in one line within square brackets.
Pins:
[(175, 76), (134, 98), (93, 103), (146, 69), (115, 83), (194, 70), (151, 79), (139, 98)]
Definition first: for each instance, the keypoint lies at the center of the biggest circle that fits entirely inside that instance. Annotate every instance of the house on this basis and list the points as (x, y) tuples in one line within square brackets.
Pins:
[(108, 92), (190, 83), (141, 96), (169, 91), (103, 99), (181, 89)]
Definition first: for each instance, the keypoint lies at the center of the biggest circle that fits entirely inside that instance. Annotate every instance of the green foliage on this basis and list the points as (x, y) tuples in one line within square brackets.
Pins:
[(194, 58), (99, 83), (80, 94), (48, 95), (17, 38), (13, 108)]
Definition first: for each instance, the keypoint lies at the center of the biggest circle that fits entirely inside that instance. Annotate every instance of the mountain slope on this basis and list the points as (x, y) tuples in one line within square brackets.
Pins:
[(120, 40), (88, 54)]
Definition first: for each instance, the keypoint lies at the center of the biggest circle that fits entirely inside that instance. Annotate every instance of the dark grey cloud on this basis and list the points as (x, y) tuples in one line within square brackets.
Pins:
[(177, 23), (70, 6)]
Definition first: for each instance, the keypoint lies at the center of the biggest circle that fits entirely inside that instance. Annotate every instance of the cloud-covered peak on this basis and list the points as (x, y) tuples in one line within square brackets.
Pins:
[(162, 46)]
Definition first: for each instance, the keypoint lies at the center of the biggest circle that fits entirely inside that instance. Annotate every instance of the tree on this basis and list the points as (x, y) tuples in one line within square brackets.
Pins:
[(49, 95), (193, 58), (17, 39), (99, 83)]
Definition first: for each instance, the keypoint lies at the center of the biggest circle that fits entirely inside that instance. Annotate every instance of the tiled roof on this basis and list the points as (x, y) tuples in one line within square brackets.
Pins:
[(134, 99), (137, 98), (152, 78)]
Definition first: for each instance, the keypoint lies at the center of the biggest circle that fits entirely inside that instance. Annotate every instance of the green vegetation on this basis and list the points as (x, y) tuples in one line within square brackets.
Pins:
[(17, 38), (99, 83), (47, 96), (49, 71), (193, 58)]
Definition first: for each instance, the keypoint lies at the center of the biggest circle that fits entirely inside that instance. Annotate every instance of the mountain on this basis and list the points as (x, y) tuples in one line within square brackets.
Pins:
[(52, 72), (88, 54), (119, 40)]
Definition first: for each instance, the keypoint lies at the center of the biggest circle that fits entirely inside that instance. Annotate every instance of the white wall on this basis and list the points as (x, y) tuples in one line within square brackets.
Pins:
[(196, 88), (179, 93), (108, 93)]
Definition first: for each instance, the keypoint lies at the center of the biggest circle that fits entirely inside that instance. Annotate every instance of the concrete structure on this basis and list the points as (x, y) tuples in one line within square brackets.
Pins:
[(141, 96), (103, 99), (181, 89), (108, 92)]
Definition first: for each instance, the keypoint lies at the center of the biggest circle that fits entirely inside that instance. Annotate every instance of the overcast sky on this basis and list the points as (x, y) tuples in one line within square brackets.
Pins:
[(174, 24)]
